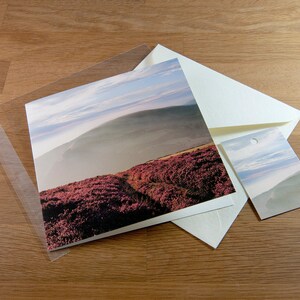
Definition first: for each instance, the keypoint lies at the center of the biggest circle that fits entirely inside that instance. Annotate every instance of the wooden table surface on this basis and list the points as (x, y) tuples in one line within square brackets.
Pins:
[(255, 42)]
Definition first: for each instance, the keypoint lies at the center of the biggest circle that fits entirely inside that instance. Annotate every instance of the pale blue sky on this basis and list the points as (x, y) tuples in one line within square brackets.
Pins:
[(60, 118), (263, 165)]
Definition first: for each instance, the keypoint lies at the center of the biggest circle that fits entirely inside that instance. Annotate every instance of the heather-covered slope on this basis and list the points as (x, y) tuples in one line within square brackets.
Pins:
[(182, 180), (92, 206), (82, 209)]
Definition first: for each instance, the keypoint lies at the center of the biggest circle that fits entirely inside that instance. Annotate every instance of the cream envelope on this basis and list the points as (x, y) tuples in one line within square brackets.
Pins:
[(230, 109)]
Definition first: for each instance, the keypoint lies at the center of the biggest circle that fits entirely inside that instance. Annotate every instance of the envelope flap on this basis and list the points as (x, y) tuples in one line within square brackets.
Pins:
[(220, 135), (225, 102)]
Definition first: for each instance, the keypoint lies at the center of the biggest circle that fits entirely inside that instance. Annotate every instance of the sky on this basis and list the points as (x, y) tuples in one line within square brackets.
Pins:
[(264, 164), (62, 117)]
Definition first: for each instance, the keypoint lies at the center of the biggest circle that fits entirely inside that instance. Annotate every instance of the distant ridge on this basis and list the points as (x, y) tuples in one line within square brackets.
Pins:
[(122, 143)]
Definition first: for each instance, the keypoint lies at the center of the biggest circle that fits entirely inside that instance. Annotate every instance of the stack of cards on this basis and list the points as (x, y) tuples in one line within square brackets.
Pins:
[(143, 147)]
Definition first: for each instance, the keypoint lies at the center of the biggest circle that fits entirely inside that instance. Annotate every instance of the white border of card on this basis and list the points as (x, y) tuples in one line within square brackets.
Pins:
[(230, 109)]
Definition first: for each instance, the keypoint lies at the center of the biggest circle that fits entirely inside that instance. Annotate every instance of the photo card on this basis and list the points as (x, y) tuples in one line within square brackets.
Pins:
[(269, 170), (123, 153)]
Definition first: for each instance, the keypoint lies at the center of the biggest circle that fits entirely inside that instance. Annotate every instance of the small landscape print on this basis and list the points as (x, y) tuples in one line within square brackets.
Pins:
[(120, 151), (269, 170)]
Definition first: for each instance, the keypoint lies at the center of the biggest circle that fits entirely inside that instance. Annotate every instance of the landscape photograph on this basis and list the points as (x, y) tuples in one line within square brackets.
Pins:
[(120, 151), (269, 170)]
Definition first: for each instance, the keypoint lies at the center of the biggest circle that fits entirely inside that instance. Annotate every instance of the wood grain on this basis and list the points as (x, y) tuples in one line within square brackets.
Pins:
[(255, 42), (4, 66)]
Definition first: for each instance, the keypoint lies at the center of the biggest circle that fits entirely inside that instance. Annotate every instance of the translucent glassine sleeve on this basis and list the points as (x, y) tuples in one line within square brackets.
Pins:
[(15, 152)]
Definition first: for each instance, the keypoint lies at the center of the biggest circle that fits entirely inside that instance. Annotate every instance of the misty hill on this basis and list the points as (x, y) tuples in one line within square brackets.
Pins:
[(283, 197), (122, 143)]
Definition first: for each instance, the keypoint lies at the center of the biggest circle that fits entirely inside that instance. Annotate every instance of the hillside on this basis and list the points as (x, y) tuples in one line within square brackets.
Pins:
[(92, 206), (283, 197)]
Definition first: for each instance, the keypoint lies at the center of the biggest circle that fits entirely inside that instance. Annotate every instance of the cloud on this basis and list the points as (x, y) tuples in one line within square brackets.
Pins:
[(61, 117)]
